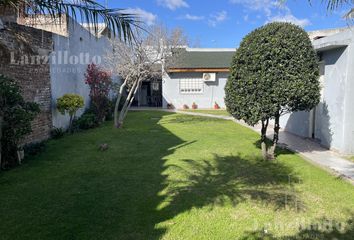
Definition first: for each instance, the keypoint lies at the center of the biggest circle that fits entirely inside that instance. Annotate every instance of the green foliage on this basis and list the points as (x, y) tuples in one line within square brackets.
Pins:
[(86, 121), (57, 133), (70, 103), (33, 149), (274, 71), (120, 23), (17, 116)]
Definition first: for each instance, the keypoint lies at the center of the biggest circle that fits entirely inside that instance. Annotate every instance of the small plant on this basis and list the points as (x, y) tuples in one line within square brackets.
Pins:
[(194, 106), (86, 121), (56, 133), (34, 148), (185, 106), (70, 103), (170, 106), (216, 106)]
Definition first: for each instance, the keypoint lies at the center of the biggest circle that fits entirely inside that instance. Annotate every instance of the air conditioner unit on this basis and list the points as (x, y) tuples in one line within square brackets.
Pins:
[(209, 77)]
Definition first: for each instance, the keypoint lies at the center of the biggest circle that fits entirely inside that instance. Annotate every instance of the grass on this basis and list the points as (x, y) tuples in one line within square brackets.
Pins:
[(171, 176), (351, 158), (220, 112)]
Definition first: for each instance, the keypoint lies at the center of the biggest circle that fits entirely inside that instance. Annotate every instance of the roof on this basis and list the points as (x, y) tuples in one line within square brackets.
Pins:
[(317, 34), (204, 58)]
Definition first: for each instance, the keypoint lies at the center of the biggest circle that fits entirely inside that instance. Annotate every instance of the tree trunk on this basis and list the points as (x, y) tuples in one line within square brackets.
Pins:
[(71, 123), (1, 123), (271, 152), (131, 100), (264, 138), (127, 101), (116, 107)]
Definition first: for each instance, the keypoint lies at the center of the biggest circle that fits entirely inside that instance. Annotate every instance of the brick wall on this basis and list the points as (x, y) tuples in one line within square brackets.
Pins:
[(19, 43)]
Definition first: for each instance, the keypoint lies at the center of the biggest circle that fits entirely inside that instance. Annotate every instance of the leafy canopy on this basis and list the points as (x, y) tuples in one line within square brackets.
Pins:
[(274, 71), (70, 103), (17, 115)]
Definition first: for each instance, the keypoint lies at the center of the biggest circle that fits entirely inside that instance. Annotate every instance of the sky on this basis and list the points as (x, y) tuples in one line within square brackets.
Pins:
[(223, 23)]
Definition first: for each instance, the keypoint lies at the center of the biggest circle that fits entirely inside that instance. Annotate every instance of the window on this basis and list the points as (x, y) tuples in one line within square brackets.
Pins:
[(191, 85)]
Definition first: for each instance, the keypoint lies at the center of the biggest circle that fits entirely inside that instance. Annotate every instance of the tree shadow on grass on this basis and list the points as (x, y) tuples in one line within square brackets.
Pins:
[(230, 180), (190, 119), (280, 150), (74, 191), (322, 229)]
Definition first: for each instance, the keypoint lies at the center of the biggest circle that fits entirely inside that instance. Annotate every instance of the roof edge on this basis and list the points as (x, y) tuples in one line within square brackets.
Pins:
[(211, 49)]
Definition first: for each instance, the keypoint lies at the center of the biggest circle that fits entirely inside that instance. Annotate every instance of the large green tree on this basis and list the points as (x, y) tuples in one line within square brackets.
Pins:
[(119, 21), (274, 71)]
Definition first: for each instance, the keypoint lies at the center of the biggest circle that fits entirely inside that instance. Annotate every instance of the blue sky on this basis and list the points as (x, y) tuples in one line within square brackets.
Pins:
[(223, 23)]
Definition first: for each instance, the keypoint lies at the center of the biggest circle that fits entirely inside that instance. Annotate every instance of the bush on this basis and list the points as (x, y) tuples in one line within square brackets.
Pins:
[(15, 120), (70, 103), (100, 84), (34, 148), (57, 133), (86, 121)]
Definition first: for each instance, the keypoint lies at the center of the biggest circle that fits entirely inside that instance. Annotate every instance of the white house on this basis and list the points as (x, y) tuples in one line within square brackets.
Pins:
[(199, 77)]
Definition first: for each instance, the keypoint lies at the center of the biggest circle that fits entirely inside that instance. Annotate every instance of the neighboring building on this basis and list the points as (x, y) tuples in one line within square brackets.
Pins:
[(331, 123), (48, 61), (198, 77)]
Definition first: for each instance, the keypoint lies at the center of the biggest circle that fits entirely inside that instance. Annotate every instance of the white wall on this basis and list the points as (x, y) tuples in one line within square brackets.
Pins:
[(334, 121), (212, 92), (69, 77)]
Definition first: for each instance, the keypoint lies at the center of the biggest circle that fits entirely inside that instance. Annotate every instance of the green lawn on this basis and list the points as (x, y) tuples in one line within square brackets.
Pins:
[(171, 176), (210, 111), (351, 158)]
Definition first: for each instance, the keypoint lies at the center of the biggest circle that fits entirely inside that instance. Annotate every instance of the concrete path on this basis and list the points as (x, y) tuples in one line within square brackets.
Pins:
[(307, 148)]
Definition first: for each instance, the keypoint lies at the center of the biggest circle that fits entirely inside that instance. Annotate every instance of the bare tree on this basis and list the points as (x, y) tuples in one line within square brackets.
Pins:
[(147, 58)]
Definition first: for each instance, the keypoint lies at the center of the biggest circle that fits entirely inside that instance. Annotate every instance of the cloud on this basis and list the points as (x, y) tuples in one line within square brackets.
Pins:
[(268, 7), (173, 4), (265, 6), (217, 18), (290, 18), (144, 16), (192, 17)]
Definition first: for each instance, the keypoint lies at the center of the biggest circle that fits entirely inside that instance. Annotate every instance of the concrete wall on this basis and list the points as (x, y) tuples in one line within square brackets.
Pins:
[(69, 62), (212, 92), (334, 116)]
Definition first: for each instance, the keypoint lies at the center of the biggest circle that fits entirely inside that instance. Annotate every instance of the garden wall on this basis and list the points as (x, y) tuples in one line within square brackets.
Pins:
[(24, 55)]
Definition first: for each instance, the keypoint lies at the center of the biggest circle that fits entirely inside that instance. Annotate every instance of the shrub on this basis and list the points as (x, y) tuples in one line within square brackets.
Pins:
[(15, 120), (86, 121), (70, 103), (56, 133), (100, 84), (34, 148), (274, 71)]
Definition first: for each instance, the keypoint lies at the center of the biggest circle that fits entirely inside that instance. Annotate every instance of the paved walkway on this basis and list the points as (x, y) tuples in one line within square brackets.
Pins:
[(308, 149)]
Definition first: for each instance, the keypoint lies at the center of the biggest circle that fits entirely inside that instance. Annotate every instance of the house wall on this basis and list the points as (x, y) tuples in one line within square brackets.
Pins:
[(69, 62), (334, 116), (212, 92)]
